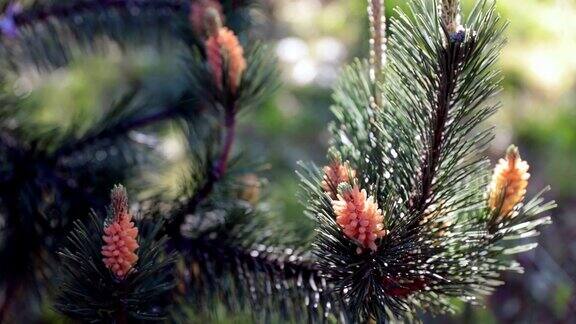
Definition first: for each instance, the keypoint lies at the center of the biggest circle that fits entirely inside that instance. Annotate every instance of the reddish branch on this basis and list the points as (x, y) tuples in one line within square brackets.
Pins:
[(215, 174), (230, 129), (221, 165), (121, 315)]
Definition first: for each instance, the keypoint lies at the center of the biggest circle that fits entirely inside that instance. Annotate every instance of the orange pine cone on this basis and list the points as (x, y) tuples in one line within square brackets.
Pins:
[(358, 215), (223, 46), (199, 13), (509, 182), (120, 244)]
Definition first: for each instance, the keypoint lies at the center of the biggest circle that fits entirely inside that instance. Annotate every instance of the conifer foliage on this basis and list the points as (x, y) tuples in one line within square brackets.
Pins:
[(409, 123), (113, 274), (407, 217)]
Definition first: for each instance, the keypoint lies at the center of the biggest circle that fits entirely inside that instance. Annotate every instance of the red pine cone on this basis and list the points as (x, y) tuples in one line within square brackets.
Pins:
[(120, 236)]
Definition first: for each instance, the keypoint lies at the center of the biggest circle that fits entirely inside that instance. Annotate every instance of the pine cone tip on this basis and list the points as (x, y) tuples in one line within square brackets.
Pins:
[(212, 21), (119, 199)]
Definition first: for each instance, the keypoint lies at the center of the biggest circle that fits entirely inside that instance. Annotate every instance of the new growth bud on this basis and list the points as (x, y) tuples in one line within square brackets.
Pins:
[(119, 201), (450, 15), (212, 21), (203, 15)]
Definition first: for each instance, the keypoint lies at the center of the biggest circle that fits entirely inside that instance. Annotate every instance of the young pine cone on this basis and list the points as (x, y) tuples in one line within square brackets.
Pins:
[(509, 183), (358, 215), (120, 236), (336, 173), (223, 50)]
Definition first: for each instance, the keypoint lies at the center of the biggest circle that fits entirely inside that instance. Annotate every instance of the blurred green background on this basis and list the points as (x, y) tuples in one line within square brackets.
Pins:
[(313, 39)]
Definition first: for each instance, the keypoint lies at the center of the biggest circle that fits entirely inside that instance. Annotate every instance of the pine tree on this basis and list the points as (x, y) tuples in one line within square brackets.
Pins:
[(413, 224), (409, 216)]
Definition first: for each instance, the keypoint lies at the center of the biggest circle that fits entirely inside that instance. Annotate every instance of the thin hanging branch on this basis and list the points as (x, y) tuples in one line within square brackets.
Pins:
[(377, 20)]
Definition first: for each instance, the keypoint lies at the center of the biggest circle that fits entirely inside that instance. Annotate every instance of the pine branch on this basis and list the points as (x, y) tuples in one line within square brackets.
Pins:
[(213, 175), (39, 13), (92, 289), (448, 68), (230, 131), (48, 35), (258, 81), (234, 260), (450, 86), (116, 130), (408, 227), (221, 164), (35, 189), (59, 28), (276, 282)]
